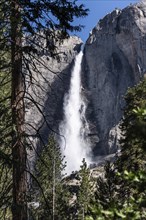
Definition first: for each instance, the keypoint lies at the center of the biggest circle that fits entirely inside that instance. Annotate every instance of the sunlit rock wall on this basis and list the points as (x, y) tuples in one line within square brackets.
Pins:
[(114, 59)]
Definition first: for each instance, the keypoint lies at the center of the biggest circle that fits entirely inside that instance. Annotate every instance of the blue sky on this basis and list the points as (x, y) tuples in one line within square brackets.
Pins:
[(98, 9)]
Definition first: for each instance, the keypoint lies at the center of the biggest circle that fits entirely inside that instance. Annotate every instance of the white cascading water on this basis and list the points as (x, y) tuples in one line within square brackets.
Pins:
[(75, 144)]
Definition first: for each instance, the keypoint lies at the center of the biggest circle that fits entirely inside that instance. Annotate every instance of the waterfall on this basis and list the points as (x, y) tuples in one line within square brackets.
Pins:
[(74, 127)]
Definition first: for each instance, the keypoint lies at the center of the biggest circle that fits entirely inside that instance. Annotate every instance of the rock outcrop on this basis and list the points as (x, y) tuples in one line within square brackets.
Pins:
[(114, 59), (46, 86)]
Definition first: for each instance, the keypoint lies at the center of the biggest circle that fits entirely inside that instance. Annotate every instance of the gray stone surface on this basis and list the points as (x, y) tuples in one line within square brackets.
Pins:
[(114, 59), (46, 86)]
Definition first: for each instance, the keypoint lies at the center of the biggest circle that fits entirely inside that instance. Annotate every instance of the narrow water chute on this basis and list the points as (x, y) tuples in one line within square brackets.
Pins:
[(74, 126)]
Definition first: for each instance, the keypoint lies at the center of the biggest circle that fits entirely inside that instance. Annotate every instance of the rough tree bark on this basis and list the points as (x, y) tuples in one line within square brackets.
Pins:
[(19, 208)]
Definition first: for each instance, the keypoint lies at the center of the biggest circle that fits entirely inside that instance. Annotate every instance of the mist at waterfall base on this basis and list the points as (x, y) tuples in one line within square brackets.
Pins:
[(74, 128)]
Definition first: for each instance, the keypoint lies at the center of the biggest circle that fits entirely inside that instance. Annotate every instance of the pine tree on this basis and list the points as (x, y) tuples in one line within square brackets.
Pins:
[(5, 129), (22, 19), (131, 163), (133, 127), (53, 195), (121, 192), (5, 150), (85, 191)]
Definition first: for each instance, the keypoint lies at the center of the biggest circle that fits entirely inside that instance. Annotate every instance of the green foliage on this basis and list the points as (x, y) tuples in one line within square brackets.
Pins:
[(5, 118), (106, 187), (50, 193), (109, 196), (53, 18), (121, 192), (5, 137), (85, 190), (132, 207), (134, 128), (50, 21), (5, 125)]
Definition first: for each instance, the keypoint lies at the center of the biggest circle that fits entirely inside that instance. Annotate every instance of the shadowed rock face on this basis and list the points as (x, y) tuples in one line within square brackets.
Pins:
[(114, 59), (45, 92)]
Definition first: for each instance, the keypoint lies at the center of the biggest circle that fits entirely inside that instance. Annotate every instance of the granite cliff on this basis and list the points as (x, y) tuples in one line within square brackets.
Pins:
[(114, 59), (50, 79)]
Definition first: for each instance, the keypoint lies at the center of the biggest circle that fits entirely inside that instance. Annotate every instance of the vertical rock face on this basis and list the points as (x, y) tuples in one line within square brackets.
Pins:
[(114, 59), (46, 85)]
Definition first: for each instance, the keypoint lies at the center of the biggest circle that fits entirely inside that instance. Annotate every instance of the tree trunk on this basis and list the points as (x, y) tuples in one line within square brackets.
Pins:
[(19, 208)]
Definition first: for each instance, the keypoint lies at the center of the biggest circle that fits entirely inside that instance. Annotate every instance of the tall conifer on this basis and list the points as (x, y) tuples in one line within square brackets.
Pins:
[(24, 19)]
